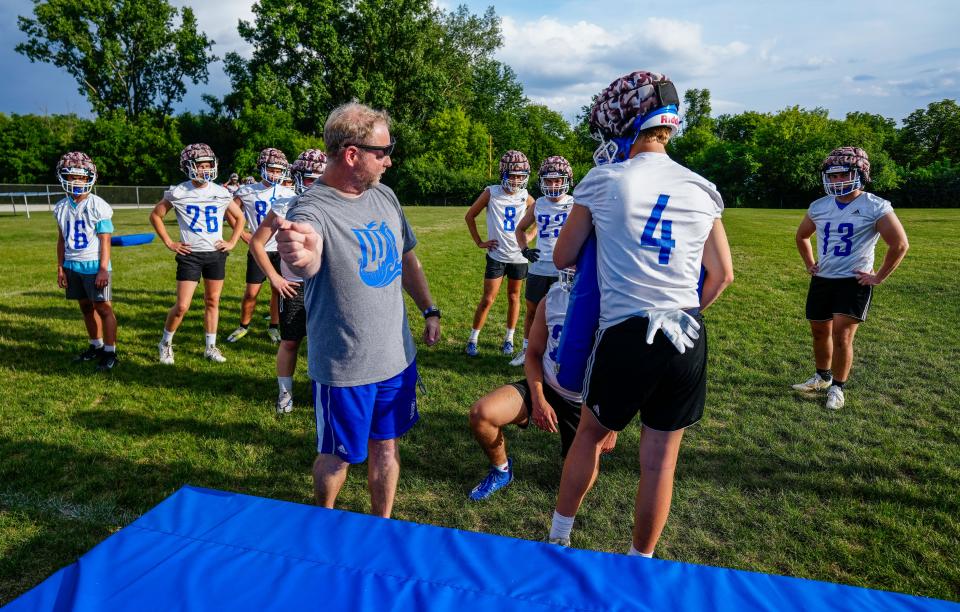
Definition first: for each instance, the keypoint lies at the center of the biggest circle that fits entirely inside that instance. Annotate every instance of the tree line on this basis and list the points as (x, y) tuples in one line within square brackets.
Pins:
[(455, 107)]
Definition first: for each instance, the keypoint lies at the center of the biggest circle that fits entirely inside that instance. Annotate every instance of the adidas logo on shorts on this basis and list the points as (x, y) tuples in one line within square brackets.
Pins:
[(341, 449)]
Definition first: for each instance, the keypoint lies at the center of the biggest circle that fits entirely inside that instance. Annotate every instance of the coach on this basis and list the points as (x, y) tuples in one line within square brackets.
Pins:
[(348, 238)]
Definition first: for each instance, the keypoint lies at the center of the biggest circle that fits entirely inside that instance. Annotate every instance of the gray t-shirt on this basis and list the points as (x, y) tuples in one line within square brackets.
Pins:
[(356, 317)]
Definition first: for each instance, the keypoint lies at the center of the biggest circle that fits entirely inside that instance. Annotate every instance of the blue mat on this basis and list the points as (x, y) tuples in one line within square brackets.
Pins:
[(207, 550), (131, 239)]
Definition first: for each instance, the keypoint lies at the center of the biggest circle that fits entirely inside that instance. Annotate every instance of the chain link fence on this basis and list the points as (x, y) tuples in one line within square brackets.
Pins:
[(22, 199)]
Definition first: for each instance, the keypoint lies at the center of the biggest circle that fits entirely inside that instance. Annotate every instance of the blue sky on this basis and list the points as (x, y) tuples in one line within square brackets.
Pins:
[(880, 57)]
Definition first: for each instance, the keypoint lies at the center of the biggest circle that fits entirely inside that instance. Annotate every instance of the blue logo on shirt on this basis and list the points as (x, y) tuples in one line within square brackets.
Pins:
[(379, 258)]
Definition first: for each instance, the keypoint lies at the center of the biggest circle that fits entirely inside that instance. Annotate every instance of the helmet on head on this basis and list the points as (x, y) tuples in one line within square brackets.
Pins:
[(194, 154), (515, 163), (234, 176), (635, 102), (72, 165), (555, 167), (845, 160), (249, 180), (273, 159), (310, 165), (565, 278)]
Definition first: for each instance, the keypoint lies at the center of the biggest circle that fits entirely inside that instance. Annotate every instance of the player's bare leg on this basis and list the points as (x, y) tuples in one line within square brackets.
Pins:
[(211, 304), (287, 357), (491, 286), (91, 320), (383, 471), (502, 406), (249, 302), (104, 311), (658, 462), (274, 306), (329, 474), (844, 328), (185, 290), (514, 288), (528, 318), (822, 343), (582, 463)]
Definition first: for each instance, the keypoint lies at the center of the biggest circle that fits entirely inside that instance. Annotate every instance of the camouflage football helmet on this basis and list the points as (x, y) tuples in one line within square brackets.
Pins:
[(555, 167), (307, 168), (515, 164), (194, 154), (852, 163), (273, 165), (76, 164)]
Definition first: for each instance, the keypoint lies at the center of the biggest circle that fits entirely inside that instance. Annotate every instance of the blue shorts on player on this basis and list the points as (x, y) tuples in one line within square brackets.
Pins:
[(347, 417)]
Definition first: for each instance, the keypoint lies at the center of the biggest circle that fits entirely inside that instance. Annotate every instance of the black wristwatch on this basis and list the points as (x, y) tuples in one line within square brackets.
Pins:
[(433, 311)]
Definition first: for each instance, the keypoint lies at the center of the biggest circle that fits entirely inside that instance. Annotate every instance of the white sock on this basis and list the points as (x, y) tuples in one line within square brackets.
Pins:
[(503, 467), (110, 348), (633, 552), (96, 342), (211, 339), (168, 336), (286, 383), (561, 526), (509, 336), (525, 343), (474, 335)]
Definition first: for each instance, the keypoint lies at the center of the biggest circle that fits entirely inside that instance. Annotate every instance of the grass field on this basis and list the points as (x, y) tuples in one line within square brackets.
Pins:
[(769, 481)]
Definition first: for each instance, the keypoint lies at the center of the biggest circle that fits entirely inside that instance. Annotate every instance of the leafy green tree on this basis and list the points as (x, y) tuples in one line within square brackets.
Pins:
[(32, 145), (931, 134), (128, 55), (696, 109), (133, 150)]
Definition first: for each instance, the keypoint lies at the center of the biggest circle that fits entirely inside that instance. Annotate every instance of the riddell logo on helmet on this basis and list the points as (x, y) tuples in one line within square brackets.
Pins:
[(671, 119)]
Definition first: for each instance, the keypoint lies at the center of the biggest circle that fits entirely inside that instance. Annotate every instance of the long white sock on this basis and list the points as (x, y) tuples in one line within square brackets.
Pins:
[(504, 466), (633, 552), (211, 339), (474, 335), (561, 526), (168, 336), (96, 342), (509, 336), (286, 383)]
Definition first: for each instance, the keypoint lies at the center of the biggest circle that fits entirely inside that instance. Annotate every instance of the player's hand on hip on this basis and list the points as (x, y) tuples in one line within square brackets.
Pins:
[(180, 248), (287, 289), (431, 331), (812, 270), (680, 328), (489, 245), (543, 416), (224, 246), (532, 255), (61, 278), (297, 243), (867, 279)]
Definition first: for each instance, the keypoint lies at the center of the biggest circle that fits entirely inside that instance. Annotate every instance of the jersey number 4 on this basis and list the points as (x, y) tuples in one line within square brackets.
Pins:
[(211, 221), (665, 242)]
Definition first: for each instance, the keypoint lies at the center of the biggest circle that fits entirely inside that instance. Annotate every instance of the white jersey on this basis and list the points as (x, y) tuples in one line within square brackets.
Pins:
[(504, 211), (847, 237), (556, 311), (256, 200), (279, 208), (200, 213), (549, 217), (652, 217), (79, 226)]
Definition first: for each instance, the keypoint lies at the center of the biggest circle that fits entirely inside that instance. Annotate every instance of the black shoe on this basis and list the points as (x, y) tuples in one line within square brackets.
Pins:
[(90, 354), (107, 361)]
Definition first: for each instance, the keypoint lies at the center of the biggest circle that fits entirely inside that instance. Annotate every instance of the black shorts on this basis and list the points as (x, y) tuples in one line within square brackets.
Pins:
[(537, 287), (625, 375), (837, 296), (211, 265), (496, 269), (256, 276), (84, 287), (293, 316), (568, 413)]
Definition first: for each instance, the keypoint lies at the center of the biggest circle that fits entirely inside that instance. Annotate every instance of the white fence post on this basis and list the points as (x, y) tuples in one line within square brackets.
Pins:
[(137, 189), (26, 205)]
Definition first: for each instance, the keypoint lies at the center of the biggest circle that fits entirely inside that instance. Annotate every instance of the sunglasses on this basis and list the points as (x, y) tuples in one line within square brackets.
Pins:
[(387, 150)]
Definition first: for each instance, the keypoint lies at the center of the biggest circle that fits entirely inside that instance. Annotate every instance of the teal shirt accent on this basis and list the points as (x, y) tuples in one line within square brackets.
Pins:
[(86, 267), (105, 226)]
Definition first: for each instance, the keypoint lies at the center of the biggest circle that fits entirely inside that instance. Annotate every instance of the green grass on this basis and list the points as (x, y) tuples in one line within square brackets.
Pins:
[(769, 481)]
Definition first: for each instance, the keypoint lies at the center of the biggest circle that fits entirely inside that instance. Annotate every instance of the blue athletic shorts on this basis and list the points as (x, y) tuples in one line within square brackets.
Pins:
[(347, 417)]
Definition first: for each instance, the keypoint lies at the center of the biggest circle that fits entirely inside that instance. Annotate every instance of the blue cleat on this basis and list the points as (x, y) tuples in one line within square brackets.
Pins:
[(507, 347), (494, 481), (472, 349)]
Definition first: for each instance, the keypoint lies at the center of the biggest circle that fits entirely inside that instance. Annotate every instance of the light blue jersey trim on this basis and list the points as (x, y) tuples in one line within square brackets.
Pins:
[(104, 226)]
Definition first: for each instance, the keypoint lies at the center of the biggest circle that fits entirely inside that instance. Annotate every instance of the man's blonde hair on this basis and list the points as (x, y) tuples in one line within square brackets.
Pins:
[(660, 133), (351, 123)]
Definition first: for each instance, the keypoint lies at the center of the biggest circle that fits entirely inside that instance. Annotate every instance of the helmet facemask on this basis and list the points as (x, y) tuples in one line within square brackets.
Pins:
[(565, 278), (77, 187), (274, 174), (201, 175), (846, 185), (514, 181), (555, 190)]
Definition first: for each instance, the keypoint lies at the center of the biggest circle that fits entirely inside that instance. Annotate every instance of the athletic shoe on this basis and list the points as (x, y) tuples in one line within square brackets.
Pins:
[(494, 481), (166, 353), (107, 361), (815, 383), (284, 402), (519, 359), (238, 333), (507, 347), (472, 349), (213, 354), (274, 334), (89, 355), (835, 398), (565, 542)]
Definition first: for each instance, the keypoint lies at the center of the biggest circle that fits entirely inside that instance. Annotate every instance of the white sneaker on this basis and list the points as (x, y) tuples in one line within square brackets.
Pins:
[(835, 398), (213, 354), (166, 353), (518, 360), (238, 333), (274, 334), (565, 542), (815, 383), (284, 402)]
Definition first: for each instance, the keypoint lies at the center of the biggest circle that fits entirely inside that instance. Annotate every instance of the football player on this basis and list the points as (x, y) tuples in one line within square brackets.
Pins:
[(538, 398), (83, 255), (293, 315), (506, 204), (549, 213), (233, 184), (847, 222), (655, 221), (255, 201), (200, 205)]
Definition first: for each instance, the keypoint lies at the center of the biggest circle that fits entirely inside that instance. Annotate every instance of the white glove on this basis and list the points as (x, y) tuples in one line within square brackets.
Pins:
[(678, 326)]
